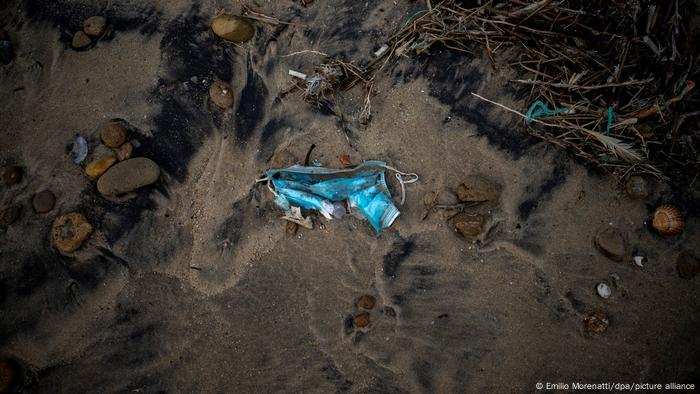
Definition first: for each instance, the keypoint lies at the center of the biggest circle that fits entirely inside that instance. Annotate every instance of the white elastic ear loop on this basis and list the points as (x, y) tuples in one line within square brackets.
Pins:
[(403, 182)]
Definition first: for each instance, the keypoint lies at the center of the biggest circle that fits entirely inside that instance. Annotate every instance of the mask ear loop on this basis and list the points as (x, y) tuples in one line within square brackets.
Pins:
[(402, 182)]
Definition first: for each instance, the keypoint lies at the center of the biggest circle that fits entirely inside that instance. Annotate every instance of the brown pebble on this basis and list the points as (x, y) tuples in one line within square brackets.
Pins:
[(221, 94), (611, 243), (469, 225), (597, 323), (688, 264), (95, 25), (70, 231), (43, 201), (637, 187), (125, 151), (9, 376), (113, 135), (98, 167), (366, 301), (476, 188), (361, 319), (11, 175), (10, 215), (80, 40)]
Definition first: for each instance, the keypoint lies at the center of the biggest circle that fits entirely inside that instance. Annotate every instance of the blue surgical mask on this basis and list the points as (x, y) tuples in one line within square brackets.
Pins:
[(324, 189)]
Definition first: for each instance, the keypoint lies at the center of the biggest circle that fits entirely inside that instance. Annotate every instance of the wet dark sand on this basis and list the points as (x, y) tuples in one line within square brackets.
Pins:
[(193, 285)]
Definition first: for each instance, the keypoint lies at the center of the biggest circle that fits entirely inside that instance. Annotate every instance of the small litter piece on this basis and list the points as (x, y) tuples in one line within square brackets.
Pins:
[(597, 323), (79, 150), (381, 50), (294, 215), (299, 189), (297, 74)]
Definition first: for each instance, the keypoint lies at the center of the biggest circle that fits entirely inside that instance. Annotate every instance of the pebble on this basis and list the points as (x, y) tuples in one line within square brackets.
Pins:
[(361, 319), (98, 167), (611, 243), (113, 135), (7, 52), (127, 176), (366, 301), (9, 376), (125, 151), (637, 187), (476, 188), (597, 323), (80, 40), (233, 28), (43, 201), (95, 26), (603, 290), (70, 231), (469, 225), (10, 214), (221, 94), (688, 264), (11, 175)]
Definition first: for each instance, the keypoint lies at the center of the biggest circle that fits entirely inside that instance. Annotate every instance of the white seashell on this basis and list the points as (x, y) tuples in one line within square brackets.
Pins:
[(603, 290), (638, 260), (79, 150)]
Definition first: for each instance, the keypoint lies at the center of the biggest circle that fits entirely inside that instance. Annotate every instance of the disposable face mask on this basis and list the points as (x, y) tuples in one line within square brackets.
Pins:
[(324, 190)]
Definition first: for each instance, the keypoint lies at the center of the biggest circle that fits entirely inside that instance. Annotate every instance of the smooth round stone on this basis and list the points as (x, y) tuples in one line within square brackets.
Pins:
[(113, 135), (11, 175), (125, 151), (70, 231), (95, 25), (221, 94), (233, 28), (688, 265), (43, 201), (366, 301), (361, 320), (469, 225), (127, 176), (98, 167), (603, 290), (476, 188), (611, 243), (80, 40), (10, 214)]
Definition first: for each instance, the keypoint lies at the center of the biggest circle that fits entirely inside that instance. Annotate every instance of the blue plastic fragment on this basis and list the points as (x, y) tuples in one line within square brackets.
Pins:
[(317, 188)]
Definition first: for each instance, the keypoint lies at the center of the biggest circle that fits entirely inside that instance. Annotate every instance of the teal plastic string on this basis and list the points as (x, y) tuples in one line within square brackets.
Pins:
[(611, 118), (539, 109)]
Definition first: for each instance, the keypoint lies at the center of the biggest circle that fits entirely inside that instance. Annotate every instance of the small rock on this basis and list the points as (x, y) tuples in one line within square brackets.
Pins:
[(7, 52), (80, 40), (127, 176), (637, 187), (477, 189), (429, 199), (43, 201), (469, 225), (95, 26), (361, 320), (688, 265), (11, 175), (366, 301), (597, 323), (221, 94), (98, 167), (113, 135), (125, 151), (611, 243), (70, 231), (10, 376), (603, 290), (10, 215), (233, 28)]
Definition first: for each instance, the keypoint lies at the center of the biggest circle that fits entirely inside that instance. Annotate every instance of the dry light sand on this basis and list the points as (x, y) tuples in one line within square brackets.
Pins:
[(193, 284)]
